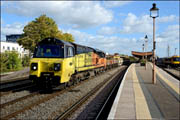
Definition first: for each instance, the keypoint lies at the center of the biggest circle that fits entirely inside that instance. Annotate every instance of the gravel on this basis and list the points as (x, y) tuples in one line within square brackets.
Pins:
[(13, 96), (57, 105), (19, 105), (89, 109)]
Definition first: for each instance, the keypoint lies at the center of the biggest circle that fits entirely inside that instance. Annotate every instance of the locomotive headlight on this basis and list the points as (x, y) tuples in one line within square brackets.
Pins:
[(34, 66), (57, 66)]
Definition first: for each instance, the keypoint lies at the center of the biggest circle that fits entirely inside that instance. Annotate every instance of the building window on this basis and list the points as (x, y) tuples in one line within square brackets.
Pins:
[(8, 48), (4, 47), (17, 48), (13, 48)]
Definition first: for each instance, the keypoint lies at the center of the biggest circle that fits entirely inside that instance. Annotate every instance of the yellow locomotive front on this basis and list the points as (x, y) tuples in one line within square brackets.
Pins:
[(53, 62), (175, 61)]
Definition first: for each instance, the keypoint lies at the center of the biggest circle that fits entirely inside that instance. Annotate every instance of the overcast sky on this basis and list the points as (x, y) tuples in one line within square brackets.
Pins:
[(112, 26)]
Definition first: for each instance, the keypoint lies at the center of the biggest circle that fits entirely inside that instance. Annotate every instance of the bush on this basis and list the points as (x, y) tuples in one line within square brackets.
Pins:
[(142, 62), (25, 61), (10, 61), (3, 62), (14, 62)]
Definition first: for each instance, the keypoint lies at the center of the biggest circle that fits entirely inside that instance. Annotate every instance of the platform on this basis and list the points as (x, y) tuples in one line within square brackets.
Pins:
[(138, 98), (174, 72)]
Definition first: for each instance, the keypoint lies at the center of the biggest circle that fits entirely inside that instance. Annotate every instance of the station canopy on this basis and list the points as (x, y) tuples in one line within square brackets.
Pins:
[(140, 55)]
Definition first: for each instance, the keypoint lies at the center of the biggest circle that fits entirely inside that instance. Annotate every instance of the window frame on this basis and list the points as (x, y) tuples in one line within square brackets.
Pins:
[(67, 51)]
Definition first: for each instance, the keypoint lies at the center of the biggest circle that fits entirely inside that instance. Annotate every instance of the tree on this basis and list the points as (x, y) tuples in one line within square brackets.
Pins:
[(42, 27), (68, 37)]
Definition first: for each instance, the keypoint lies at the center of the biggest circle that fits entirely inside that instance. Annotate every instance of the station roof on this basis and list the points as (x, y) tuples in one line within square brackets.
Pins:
[(141, 54)]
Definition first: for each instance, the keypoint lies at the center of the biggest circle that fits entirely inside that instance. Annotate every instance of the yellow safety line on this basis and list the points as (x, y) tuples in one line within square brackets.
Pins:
[(142, 110), (175, 88)]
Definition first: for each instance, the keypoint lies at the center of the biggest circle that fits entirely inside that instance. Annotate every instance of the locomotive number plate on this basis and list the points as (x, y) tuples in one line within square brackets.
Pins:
[(46, 74)]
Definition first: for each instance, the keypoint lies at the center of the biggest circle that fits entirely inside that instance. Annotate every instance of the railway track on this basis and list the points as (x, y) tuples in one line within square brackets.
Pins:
[(105, 106), (36, 98), (18, 100), (33, 104), (26, 87), (14, 83), (28, 106)]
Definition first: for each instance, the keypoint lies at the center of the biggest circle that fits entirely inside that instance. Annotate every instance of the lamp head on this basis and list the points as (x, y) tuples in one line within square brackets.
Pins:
[(154, 11), (146, 38)]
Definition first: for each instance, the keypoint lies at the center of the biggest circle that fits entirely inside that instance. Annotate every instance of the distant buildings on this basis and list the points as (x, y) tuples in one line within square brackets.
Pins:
[(13, 37), (11, 45)]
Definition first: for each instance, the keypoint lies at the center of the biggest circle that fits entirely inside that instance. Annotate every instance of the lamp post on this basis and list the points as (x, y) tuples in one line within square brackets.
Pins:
[(175, 51), (154, 12), (143, 50), (146, 40)]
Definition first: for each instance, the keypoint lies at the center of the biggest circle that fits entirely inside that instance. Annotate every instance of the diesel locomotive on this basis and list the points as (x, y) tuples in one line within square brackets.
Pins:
[(58, 62)]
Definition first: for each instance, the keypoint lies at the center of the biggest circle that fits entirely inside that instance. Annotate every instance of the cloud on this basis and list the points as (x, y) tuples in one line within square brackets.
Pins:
[(169, 18), (113, 4), (15, 28), (133, 24), (171, 34), (107, 30), (110, 44), (77, 14)]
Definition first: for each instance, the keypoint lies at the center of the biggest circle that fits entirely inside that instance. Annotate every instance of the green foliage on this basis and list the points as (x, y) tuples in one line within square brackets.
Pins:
[(68, 37), (25, 61), (142, 61), (10, 61), (3, 62), (122, 55), (132, 59), (42, 27), (14, 62)]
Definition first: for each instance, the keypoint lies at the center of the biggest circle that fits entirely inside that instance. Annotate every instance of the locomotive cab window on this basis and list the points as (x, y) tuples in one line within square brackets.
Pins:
[(176, 59), (70, 52), (49, 51)]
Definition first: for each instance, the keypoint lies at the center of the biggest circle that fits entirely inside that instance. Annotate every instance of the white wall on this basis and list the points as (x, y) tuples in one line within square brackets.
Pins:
[(10, 46)]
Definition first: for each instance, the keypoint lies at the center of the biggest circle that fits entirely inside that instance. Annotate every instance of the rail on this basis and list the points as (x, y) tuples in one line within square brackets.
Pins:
[(75, 106)]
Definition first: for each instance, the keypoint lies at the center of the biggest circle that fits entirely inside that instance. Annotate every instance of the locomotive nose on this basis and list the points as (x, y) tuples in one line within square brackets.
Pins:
[(50, 66)]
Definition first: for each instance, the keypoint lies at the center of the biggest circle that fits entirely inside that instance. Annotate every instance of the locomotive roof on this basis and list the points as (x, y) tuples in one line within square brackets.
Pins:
[(94, 49), (75, 44), (97, 50), (54, 41)]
